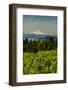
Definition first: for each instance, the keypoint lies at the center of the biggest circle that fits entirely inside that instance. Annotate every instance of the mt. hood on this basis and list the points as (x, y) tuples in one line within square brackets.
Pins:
[(37, 32)]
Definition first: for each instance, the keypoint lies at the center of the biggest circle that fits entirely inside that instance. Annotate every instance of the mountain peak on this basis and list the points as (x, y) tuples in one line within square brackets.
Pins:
[(37, 32)]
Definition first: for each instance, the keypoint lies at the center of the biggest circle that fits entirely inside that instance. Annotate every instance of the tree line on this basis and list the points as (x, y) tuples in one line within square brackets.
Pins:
[(39, 45)]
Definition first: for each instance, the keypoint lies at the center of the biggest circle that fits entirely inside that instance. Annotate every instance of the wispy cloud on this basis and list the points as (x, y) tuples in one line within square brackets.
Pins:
[(46, 24)]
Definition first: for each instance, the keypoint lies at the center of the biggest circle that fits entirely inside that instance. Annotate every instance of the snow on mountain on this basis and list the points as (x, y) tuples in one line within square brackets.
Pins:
[(37, 32)]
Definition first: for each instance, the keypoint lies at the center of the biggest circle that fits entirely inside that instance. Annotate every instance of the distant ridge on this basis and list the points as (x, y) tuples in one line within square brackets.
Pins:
[(38, 36)]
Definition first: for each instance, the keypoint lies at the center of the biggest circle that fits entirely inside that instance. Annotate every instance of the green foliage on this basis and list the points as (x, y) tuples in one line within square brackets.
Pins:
[(40, 62), (39, 45)]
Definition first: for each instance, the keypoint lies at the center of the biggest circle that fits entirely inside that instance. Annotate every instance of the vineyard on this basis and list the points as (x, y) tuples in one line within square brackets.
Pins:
[(42, 62)]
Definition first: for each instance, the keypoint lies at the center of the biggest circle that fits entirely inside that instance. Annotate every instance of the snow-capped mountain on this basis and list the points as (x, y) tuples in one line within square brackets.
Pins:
[(37, 32), (38, 35)]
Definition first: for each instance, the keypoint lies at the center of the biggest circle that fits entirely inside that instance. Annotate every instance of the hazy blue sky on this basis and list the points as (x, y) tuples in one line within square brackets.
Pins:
[(44, 24)]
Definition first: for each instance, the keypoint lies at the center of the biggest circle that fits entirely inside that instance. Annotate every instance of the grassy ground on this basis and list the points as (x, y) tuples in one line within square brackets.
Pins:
[(41, 62)]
